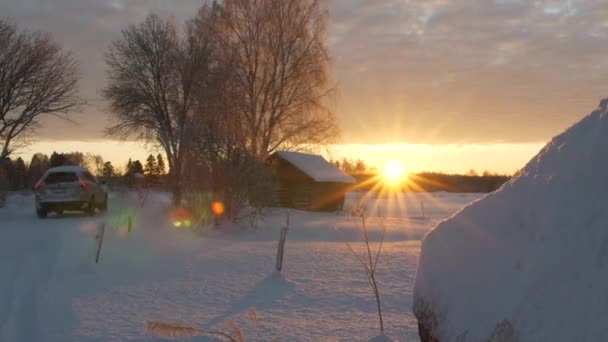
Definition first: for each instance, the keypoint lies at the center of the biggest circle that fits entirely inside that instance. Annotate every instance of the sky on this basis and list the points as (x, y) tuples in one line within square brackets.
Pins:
[(443, 85)]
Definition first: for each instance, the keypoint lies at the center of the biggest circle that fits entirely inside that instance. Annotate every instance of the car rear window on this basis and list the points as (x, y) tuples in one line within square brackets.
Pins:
[(61, 177)]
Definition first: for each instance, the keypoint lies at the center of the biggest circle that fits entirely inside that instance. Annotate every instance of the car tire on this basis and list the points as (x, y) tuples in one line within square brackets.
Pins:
[(103, 207), (41, 212), (90, 210)]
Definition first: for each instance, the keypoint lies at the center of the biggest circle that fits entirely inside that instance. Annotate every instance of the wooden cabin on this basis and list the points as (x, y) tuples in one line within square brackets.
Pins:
[(308, 182)]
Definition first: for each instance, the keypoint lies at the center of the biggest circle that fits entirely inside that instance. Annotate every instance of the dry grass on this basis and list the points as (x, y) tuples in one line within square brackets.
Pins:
[(232, 333), (369, 262)]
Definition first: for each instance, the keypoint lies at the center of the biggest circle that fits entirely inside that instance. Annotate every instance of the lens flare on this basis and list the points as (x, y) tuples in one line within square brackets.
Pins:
[(88, 227), (217, 208), (180, 217), (121, 233)]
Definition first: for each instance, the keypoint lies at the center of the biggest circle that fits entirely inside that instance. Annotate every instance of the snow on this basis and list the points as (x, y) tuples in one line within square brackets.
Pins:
[(51, 290), (66, 168), (316, 167), (531, 259)]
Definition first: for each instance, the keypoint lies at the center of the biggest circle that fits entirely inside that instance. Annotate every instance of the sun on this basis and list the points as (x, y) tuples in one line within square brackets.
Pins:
[(394, 170)]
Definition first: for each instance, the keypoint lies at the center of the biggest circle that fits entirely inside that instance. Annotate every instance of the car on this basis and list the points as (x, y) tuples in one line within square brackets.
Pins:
[(65, 188)]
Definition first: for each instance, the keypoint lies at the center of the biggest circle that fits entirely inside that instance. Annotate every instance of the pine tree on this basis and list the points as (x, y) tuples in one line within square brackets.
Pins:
[(128, 175), (129, 168), (38, 165), (5, 176), (133, 167), (108, 170), (76, 158), (347, 165), (160, 165), (151, 168), (18, 180), (360, 166), (57, 159), (137, 167)]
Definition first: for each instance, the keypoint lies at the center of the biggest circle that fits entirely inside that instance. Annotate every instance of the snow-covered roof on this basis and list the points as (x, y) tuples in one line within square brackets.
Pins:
[(66, 168), (316, 167)]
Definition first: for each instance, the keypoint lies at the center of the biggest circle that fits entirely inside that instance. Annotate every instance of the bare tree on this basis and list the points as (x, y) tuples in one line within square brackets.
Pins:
[(245, 78), (93, 162), (152, 75), (282, 71), (219, 151), (266, 87), (37, 78)]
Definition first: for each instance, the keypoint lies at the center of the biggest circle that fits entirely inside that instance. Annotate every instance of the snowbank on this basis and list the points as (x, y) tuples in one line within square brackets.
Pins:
[(530, 261)]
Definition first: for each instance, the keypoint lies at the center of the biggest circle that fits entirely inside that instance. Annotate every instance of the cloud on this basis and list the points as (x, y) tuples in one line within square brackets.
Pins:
[(428, 71), (468, 71), (87, 27)]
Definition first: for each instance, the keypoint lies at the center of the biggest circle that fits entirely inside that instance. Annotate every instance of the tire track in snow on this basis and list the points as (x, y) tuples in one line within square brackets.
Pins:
[(25, 313), (33, 264), (7, 289)]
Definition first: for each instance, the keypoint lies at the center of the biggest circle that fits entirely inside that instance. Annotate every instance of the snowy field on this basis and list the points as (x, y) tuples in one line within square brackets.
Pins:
[(52, 290)]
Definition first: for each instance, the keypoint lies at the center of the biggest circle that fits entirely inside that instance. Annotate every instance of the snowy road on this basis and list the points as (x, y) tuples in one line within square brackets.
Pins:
[(51, 289)]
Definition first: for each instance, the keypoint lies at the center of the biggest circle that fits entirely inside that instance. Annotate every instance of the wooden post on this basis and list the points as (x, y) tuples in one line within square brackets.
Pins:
[(130, 224), (422, 209), (281, 246), (142, 197), (99, 238)]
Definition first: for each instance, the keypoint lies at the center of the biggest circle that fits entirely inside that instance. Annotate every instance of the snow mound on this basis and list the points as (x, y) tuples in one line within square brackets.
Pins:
[(530, 261)]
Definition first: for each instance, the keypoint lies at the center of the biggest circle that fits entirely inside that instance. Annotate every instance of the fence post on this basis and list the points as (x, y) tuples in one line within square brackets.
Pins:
[(422, 209), (281, 246), (99, 238)]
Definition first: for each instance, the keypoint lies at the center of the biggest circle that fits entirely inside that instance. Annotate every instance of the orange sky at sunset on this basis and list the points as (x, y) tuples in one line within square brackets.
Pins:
[(435, 84), (449, 158)]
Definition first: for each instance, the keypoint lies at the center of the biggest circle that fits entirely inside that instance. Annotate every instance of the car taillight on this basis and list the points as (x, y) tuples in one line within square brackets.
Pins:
[(83, 184), (37, 186)]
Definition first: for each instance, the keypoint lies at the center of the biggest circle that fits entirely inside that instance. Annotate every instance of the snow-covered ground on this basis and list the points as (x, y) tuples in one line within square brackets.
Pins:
[(51, 289), (529, 262)]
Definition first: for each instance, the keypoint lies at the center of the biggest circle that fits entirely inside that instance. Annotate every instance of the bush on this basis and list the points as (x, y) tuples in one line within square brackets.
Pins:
[(232, 176)]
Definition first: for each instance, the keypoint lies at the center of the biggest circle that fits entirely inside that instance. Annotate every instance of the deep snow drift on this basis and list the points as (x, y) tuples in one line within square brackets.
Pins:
[(530, 261)]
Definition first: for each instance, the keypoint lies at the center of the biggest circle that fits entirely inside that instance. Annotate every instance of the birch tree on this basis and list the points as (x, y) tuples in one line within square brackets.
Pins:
[(281, 61)]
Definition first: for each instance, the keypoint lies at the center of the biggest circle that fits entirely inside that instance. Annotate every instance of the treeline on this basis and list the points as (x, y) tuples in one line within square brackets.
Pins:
[(432, 182), (435, 181), (18, 175), (351, 166), (370, 179), (152, 174)]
